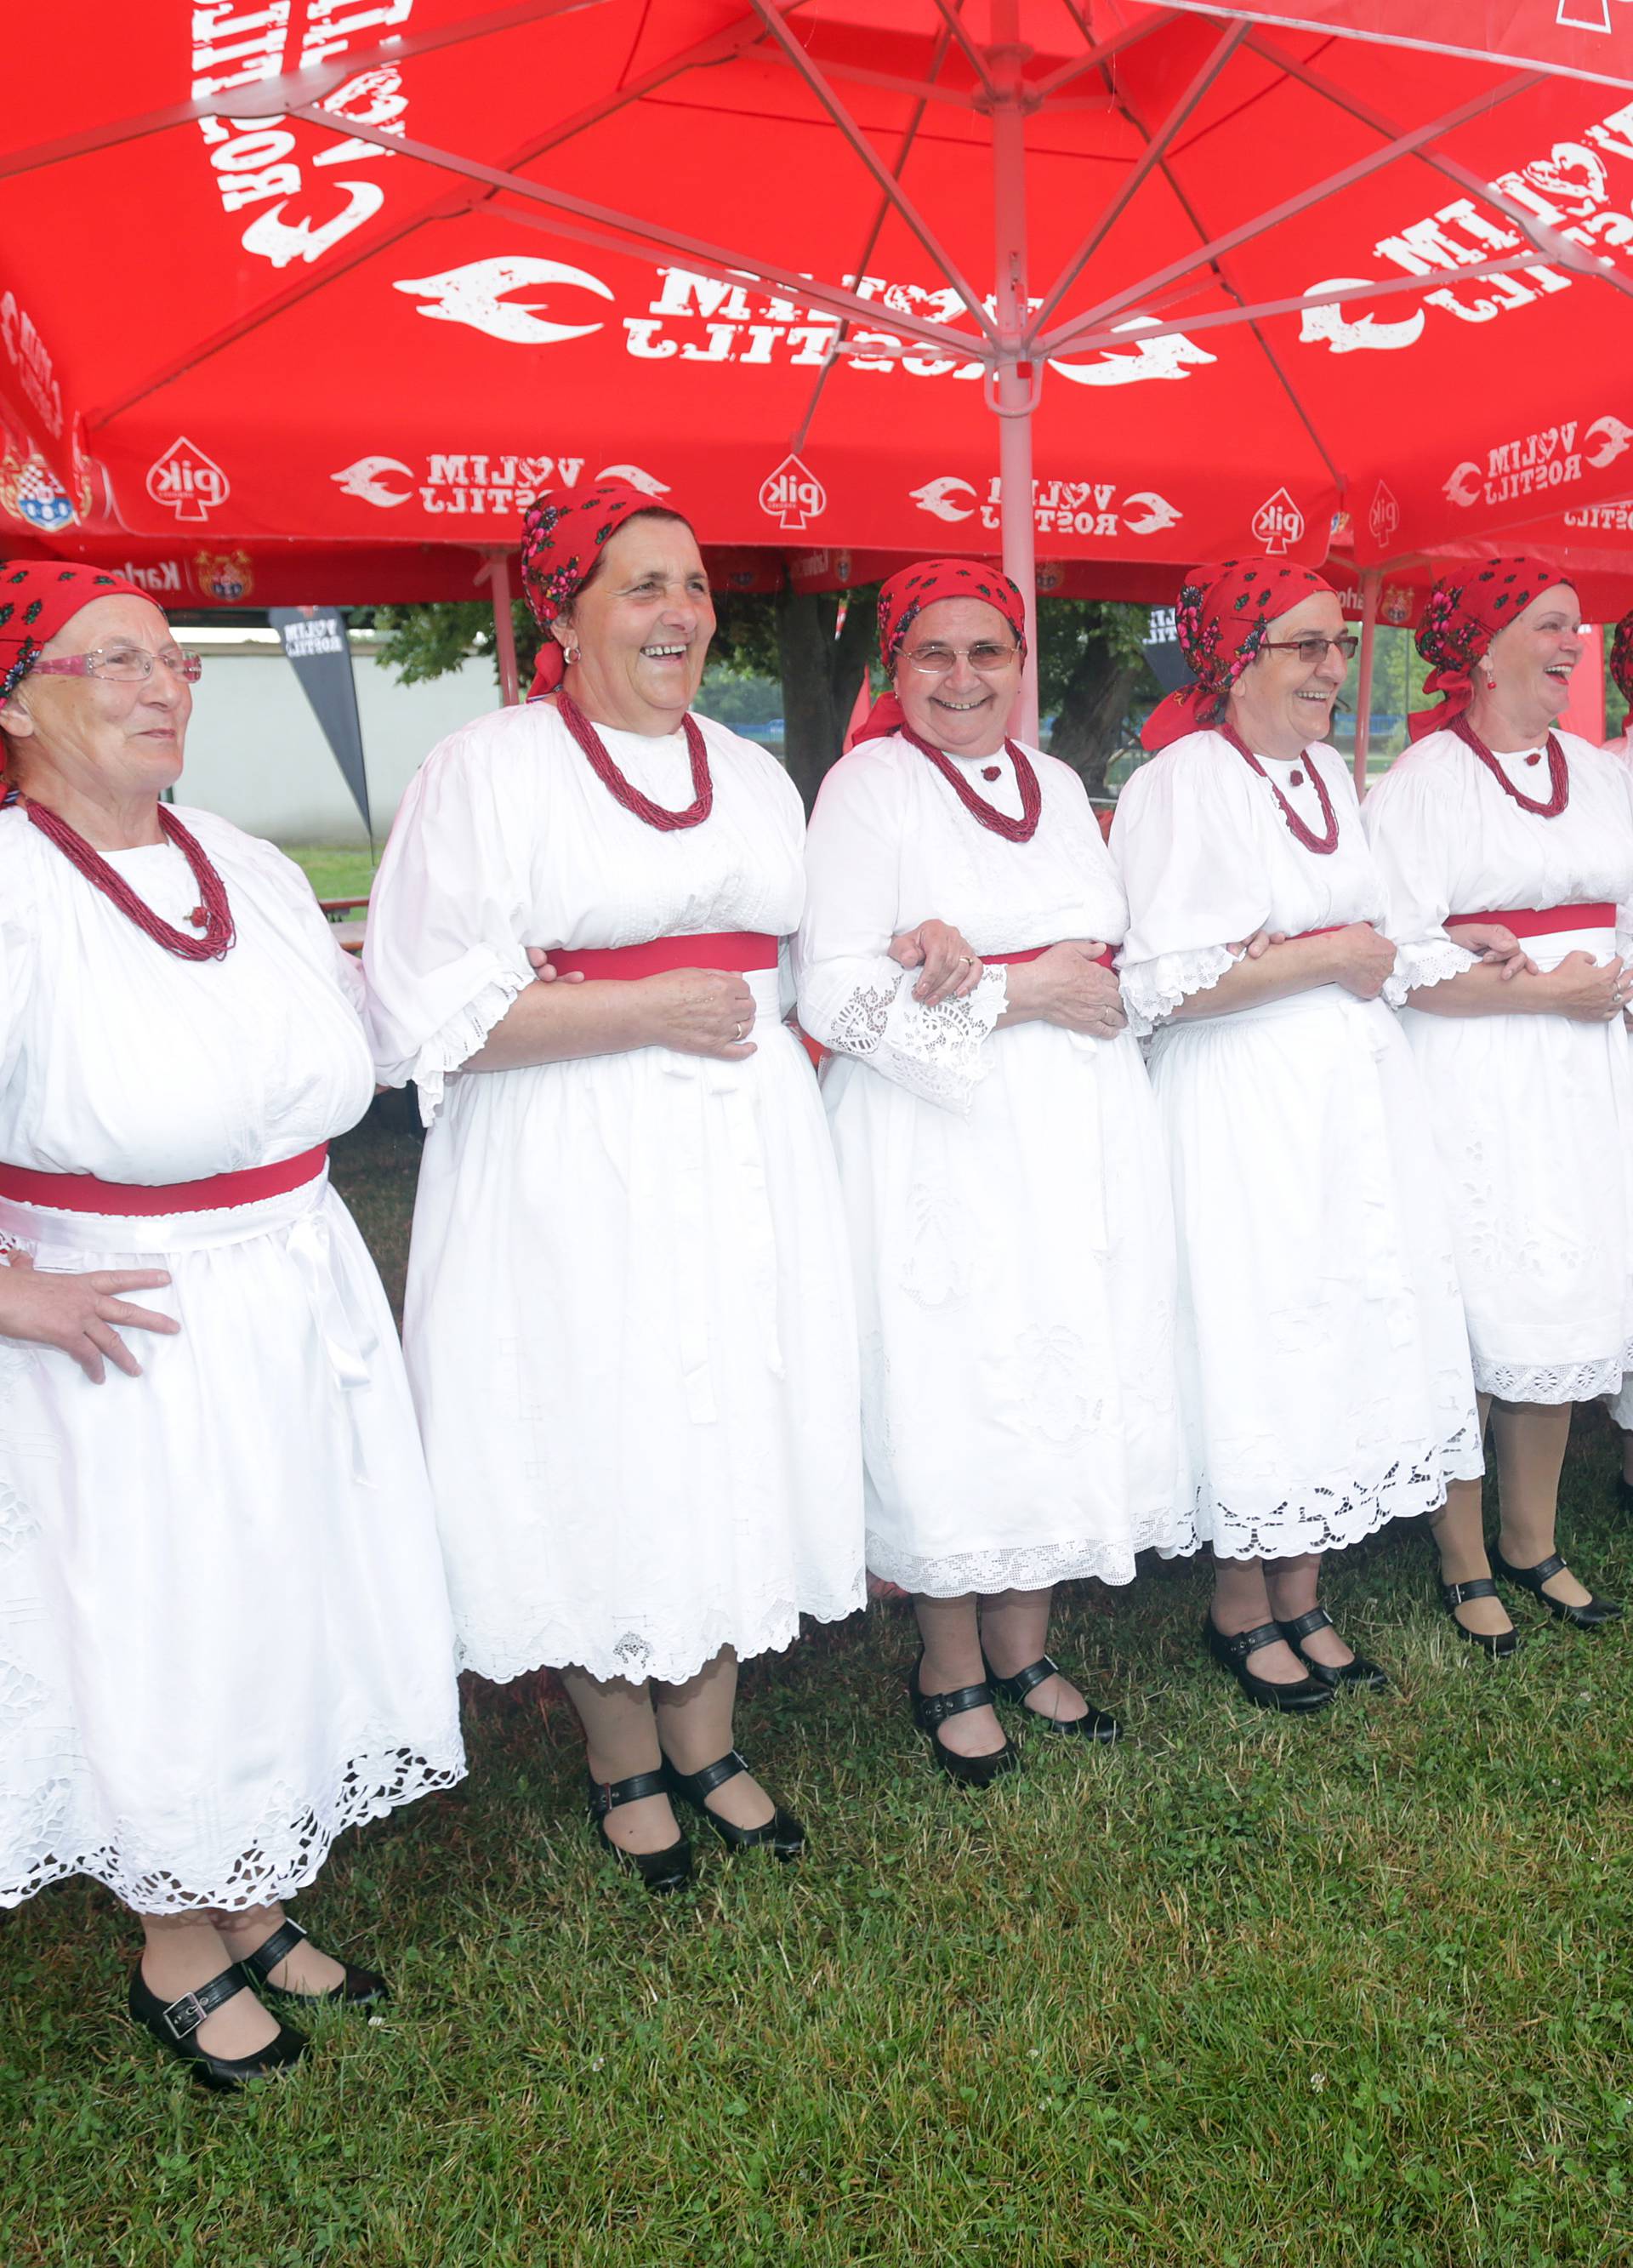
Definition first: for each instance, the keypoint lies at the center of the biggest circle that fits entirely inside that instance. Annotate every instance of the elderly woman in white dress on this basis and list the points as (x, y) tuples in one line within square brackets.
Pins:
[(225, 1635), (1324, 1364), (1494, 814), (1008, 1223), (628, 1326)]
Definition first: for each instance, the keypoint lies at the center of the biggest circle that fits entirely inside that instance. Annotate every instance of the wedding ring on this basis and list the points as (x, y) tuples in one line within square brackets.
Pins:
[(967, 961), (740, 1032)]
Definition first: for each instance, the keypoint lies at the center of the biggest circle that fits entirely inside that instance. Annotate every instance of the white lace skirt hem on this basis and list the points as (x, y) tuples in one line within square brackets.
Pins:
[(1554, 1382), (1037, 1567), (286, 1852), (1331, 1516), (670, 1657)]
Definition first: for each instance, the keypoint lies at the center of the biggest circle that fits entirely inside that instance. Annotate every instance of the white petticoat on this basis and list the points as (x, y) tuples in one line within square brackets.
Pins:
[(632, 1341), (223, 1630), (1532, 1118), (1014, 1269), (1324, 1364)]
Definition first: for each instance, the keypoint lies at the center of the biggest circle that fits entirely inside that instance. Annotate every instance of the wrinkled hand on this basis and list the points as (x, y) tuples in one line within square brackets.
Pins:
[(1490, 943), (76, 1314), (699, 1012), (1070, 986), (1256, 946), (546, 971), (950, 969), (1361, 959), (1588, 994)]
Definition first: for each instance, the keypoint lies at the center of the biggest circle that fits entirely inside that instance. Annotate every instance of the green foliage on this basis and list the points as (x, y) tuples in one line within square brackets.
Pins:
[(1069, 628), (1242, 1992)]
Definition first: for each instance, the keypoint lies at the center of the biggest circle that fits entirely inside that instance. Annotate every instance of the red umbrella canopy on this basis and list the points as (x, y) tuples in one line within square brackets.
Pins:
[(374, 271)]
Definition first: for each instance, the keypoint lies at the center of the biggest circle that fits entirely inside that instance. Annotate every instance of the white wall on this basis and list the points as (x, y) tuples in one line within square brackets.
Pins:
[(255, 752)]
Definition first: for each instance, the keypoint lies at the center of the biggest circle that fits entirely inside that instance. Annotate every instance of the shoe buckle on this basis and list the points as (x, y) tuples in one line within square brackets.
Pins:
[(184, 2016)]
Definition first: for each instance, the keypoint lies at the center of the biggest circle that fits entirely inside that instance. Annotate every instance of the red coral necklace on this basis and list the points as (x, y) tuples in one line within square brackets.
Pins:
[(624, 790), (212, 917), (1558, 772), (1322, 843), (996, 822)]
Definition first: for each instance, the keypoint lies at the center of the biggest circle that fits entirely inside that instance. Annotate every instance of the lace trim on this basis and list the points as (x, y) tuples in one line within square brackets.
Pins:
[(939, 1054), (670, 1657), (1332, 1518), (282, 1854), (1037, 1567), (461, 1035), (1418, 965), (1554, 1382), (1152, 990)]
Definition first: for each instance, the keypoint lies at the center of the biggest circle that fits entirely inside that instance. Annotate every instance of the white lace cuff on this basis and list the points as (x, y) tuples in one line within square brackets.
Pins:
[(1429, 962), (462, 1034), (1152, 990), (939, 1054)]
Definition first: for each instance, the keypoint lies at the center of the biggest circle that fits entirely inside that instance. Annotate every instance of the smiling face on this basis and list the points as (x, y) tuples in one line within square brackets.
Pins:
[(1281, 703), (105, 737), (963, 710), (642, 625), (1522, 683)]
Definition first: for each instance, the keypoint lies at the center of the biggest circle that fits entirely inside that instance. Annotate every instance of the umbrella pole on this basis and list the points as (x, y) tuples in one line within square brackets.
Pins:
[(1015, 394), (504, 628), (1372, 580)]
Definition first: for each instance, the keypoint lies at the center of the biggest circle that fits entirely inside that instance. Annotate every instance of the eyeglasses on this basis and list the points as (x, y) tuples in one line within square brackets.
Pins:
[(988, 659), (1312, 651), (126, 665)]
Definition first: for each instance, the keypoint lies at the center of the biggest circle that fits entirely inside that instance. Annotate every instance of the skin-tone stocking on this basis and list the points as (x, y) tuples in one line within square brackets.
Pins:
[(1530, 1438), (1241, 1601), (183, 1951), (1292, 1584), (1015, 1631), (621, 1725), (1461, 1537), (950, 1632)]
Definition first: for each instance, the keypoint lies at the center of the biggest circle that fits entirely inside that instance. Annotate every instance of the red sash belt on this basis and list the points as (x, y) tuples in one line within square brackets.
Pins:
[(1537, 921), (83, 1193), (739, 949), (1332, 930), (1034, 952)]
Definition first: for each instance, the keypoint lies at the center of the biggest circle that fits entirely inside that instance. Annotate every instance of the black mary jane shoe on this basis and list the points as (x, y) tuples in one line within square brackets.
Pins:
[(1231, 1652), (931, 1709), (360, 1988), (1594, 1616), (1095, 1725), (662, 1871), (174, 2025), (1359, 1674), (782, 1833), (1499, 1643)]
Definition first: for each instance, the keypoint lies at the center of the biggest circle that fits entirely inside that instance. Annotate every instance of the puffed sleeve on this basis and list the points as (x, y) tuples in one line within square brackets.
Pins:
[(1414, 828), (853, 997), (443, 954), (1183, 842)]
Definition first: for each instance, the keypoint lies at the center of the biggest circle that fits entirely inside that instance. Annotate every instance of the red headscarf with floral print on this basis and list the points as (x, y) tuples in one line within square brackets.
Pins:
[(903, 599), (1462, 614), (563, 532), (1225, 614), (1622, 656), (40, 597)]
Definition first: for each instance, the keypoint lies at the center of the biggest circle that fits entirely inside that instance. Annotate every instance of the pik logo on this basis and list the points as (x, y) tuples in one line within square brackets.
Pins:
[(227, 576), (187, 482), (1278, 523), (1384, 515), (1583, 16), (477, 295), (793, 496)]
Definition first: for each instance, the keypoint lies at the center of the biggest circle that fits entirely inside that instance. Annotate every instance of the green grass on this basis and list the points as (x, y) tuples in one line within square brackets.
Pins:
[(1242, 1992), (333, 873)]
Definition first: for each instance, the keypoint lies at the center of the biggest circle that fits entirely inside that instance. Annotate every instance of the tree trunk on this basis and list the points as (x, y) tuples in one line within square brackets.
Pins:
[(1095, 705), (821, 675)]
